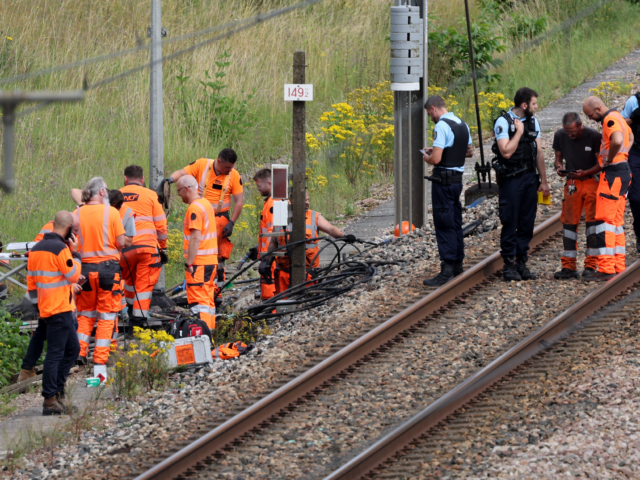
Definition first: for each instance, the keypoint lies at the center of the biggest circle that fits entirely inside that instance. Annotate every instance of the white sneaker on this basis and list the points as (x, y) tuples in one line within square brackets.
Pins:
[(100, 371)]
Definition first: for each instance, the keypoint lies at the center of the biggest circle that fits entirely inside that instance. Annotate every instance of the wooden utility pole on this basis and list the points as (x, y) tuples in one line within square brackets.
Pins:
[(298, 154)]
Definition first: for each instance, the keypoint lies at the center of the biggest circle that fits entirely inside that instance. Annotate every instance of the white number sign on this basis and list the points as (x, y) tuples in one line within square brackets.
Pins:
[(298, 93)]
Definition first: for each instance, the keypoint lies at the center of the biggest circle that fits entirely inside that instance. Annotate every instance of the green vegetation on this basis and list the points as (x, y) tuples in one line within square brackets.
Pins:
[(13, 347)]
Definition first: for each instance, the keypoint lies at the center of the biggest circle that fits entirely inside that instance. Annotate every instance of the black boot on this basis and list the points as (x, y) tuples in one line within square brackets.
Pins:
[(509, 271), (521, 267), (446, 274), (457, 269)]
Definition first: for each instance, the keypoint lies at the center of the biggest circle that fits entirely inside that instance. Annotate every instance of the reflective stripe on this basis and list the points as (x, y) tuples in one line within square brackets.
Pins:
[(162, 236), (208, 236), (569, 254), (83, 338), (88, 313), (604, 227), (99, 253), (107, 316), (45, 286), (114, 336), (269, 224), (206, 217), (103, 342), (127, 215), (592, 252), (200, 309), (144, 218), (216, 353), (159, 218), (621, 250), (123, 302), (129, 288), (569, 234), (73, 271), (147, 231), (210, 251), (140, 313), (32, 296), (105, 239), (130, 301), (144, 295), (311, 246), (203, 178), (601, 251), (43, 273)]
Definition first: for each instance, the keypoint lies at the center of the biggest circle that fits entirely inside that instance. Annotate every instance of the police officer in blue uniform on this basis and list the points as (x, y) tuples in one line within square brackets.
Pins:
[(451, 145), (518, 155), (631, 113)]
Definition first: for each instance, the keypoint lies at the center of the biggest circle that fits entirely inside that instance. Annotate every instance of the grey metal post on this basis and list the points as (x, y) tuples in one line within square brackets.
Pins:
[(298, 155), (425, 117), (156, 124), (9, 102)]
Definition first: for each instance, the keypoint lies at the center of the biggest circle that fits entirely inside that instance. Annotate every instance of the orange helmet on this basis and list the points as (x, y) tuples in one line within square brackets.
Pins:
[(405, 229)]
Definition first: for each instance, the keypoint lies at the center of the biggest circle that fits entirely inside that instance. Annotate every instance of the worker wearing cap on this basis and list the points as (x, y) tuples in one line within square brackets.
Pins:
[(262, 178), (631, 113), (53, 269), (519, 154), (200, 250), (102, 236), (142, 262), (612, 189), (218, 182), (451, 145), (39, 335), (578, 146), (314, 222)]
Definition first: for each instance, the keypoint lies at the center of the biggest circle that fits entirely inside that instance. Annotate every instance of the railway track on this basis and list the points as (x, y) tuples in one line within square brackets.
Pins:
[(428, 316)]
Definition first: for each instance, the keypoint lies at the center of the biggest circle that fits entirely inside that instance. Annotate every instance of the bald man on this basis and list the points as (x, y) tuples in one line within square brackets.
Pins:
[(612, 189)]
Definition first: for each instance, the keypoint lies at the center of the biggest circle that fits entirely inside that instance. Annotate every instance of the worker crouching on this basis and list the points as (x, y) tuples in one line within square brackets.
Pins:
[(200, 251)]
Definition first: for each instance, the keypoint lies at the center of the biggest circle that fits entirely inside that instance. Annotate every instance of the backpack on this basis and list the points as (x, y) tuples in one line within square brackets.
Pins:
[(232, 350), (190, 327)]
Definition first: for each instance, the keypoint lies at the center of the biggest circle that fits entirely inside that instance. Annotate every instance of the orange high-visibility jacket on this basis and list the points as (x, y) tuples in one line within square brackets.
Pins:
[(203, 171), (200, 216), (151, 221), (100, 225), (266, 225), (613, 122), (51, 272), (313, 261), (48, 227)]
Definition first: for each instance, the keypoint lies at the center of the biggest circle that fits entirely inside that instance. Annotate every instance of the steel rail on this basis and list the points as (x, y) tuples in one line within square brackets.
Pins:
[(272, 404), (564, 324)]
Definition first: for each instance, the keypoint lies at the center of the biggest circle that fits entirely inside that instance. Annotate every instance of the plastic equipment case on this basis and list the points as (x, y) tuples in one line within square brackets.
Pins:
[(190, 351)]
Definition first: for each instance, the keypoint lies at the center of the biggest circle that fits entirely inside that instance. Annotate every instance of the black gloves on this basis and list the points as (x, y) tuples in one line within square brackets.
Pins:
[(253, 253), (164, 258), (160, 190), (349, 238), (228, 229), (265, 270)]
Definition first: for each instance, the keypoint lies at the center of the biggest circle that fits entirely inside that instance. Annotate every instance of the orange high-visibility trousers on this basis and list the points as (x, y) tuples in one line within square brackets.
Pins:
[(140, 271), (200, 286), (583, 198), (611, 201), (283, 280), (267, 291), (99, 302)]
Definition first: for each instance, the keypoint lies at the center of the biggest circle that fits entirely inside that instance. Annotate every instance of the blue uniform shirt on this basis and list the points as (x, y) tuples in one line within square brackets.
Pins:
[(630, 106), (443, 136), (501, 127)]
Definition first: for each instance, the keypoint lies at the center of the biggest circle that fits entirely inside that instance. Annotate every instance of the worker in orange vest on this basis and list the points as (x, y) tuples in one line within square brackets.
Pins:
[(200, 250), (53, 269), (102, 236), (142, 263), (615, 180), (39, 335), (218, 182), (262, 178), (314, 222)]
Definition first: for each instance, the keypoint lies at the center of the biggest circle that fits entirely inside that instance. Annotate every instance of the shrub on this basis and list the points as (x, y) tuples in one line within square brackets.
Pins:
[(608, 91), (13, 347), (233, 328), (525, 26)]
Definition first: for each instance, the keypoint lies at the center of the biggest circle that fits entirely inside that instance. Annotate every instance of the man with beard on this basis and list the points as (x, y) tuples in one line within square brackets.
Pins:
[(518, 155), (611, 198)]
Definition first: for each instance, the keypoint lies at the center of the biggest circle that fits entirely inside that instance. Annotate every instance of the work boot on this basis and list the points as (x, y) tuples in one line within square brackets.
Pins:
[(26, 374), (446, 274), (62, 400), (521, 267), (565, 274), (509, 271), (52, 406), (600, 277), (457, 269), (588, 273)]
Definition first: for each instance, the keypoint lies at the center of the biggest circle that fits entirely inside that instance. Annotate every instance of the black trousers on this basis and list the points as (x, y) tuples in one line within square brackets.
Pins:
[(63, 348), (634, 189), (447, 218), (36, 345), (518, 202)]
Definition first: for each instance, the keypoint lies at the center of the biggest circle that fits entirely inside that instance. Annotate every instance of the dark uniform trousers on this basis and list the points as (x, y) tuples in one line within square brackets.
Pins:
[(518, 207), (447, 219), (634, 189)]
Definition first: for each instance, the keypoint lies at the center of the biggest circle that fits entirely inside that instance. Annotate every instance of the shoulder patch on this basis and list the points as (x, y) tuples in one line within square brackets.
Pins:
[(435, 134), (610, 123), (499, 129), (271, 210), (193, 216), (241, 181), (69, 263)]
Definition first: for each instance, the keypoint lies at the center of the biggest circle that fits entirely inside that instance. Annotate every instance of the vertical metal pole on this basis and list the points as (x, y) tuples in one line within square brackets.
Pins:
[(475, 91), (298, 154), (425, 117), (8, 109), (397, 157), (156, 127)]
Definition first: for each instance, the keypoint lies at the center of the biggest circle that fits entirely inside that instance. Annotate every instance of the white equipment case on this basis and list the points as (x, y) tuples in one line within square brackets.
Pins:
[(190, 351)]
